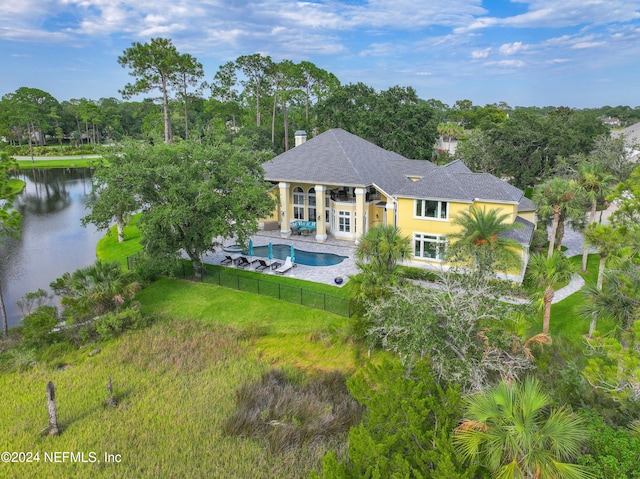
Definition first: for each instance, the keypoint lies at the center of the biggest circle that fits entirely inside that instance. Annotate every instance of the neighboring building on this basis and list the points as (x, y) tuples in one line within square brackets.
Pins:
[(346, 185), (612, 122)]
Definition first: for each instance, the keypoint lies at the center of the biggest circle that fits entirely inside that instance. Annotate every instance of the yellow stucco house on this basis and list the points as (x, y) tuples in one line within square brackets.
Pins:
[(343, 185)]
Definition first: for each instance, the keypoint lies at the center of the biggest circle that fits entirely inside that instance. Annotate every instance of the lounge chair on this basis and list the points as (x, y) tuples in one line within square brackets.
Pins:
[(230, 258), (286, 266), (264, 264), (245, 261)]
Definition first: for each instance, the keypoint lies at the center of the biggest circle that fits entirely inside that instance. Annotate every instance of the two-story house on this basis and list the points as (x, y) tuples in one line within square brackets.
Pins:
[(346, 185)]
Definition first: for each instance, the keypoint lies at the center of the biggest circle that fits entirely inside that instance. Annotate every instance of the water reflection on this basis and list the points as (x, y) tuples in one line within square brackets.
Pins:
[(53, 241)]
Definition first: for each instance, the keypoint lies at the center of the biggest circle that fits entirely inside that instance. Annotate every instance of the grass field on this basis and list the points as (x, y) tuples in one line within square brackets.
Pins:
[(44, 163), (175, 385)]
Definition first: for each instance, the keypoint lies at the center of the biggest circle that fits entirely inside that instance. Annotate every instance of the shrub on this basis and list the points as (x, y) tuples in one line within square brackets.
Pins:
[(407, 428), (539, 241), (38, 327), (22, 358), (409, 272), (112, 324), (289, 411), (612, 453)]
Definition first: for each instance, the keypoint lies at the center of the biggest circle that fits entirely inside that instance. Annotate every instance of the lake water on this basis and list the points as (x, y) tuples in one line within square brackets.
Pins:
[(52, 241)]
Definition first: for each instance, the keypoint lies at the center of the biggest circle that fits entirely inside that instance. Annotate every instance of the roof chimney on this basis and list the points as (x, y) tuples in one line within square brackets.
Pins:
[(301, 137)]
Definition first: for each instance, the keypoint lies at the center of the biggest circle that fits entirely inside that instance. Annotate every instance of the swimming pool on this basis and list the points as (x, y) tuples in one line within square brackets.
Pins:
[(308, 258)]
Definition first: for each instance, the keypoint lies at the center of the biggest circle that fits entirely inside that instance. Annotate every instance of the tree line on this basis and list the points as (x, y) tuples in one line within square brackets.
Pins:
[(265, 99)]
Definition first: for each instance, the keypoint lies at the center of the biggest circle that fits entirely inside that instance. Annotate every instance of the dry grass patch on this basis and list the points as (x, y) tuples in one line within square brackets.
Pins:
[(289, 411)]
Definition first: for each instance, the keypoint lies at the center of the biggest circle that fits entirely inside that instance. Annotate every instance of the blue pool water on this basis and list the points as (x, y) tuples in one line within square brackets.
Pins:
[(308, 258)]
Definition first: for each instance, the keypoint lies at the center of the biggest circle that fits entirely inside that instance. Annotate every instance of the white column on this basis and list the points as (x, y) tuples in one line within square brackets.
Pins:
[(321, 227), (360, 197), (285, 209), (390, 214)]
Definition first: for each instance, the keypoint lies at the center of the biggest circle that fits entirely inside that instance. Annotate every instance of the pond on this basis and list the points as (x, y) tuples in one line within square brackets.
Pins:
[(53, 241)]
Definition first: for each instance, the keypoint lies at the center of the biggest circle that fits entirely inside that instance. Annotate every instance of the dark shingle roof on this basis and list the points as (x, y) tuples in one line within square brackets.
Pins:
[(447, 184), (526, 205), (458, 166), (339, 158), (522, 235)]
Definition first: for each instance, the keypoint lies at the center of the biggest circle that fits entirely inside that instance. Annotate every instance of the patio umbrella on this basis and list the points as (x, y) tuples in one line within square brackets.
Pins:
[(250, 247), (293, 254), (270, 251)]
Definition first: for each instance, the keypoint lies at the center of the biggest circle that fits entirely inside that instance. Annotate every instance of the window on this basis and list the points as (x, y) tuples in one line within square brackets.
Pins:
[(312, 204), (438, 210), (298, 203), (429, 246), (344, 221)]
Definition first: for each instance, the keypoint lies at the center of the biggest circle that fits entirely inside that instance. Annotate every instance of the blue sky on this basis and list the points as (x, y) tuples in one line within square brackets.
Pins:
[(576, 53)]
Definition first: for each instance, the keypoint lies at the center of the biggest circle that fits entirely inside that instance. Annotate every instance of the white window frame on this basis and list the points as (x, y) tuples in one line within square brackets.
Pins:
[(298, 194), (422, 204), (311, 202), (440, 241), (344, 221)]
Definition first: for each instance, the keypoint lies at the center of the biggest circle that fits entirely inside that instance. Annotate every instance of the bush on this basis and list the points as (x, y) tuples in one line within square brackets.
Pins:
[(410, 272), (22, 358), (113, 324), (539, 241), (407, 428), (38, 327), (289, 411), (612, 453)]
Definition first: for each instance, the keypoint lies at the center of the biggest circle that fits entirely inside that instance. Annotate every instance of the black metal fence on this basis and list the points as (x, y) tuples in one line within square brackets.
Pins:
[(228, 279)]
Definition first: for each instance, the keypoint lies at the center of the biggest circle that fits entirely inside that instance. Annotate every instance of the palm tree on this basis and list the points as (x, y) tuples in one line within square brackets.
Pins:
[(596, 184), (617, 298), (512, 431), (377, 258), (555, 198), (482, 239), (606, 239), (383, 247), (95, 290), (544, 272)]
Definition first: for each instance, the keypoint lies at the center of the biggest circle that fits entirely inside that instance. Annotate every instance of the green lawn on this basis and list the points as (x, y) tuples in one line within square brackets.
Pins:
[(566, 320), (285, 332), (44, 163), (16, 186), (109, 249)]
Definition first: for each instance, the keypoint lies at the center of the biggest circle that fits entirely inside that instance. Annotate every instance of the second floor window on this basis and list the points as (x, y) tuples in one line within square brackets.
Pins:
[(438, 210)]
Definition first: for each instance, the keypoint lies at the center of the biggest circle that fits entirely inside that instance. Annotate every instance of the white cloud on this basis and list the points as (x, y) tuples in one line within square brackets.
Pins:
[(379, 50), (478, 54), (506, 63), (33, 36), (510, 48), (581, 45), (566, 13)]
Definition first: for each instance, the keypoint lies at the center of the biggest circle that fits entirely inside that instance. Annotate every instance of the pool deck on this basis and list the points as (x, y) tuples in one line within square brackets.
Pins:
[(318, 274)]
